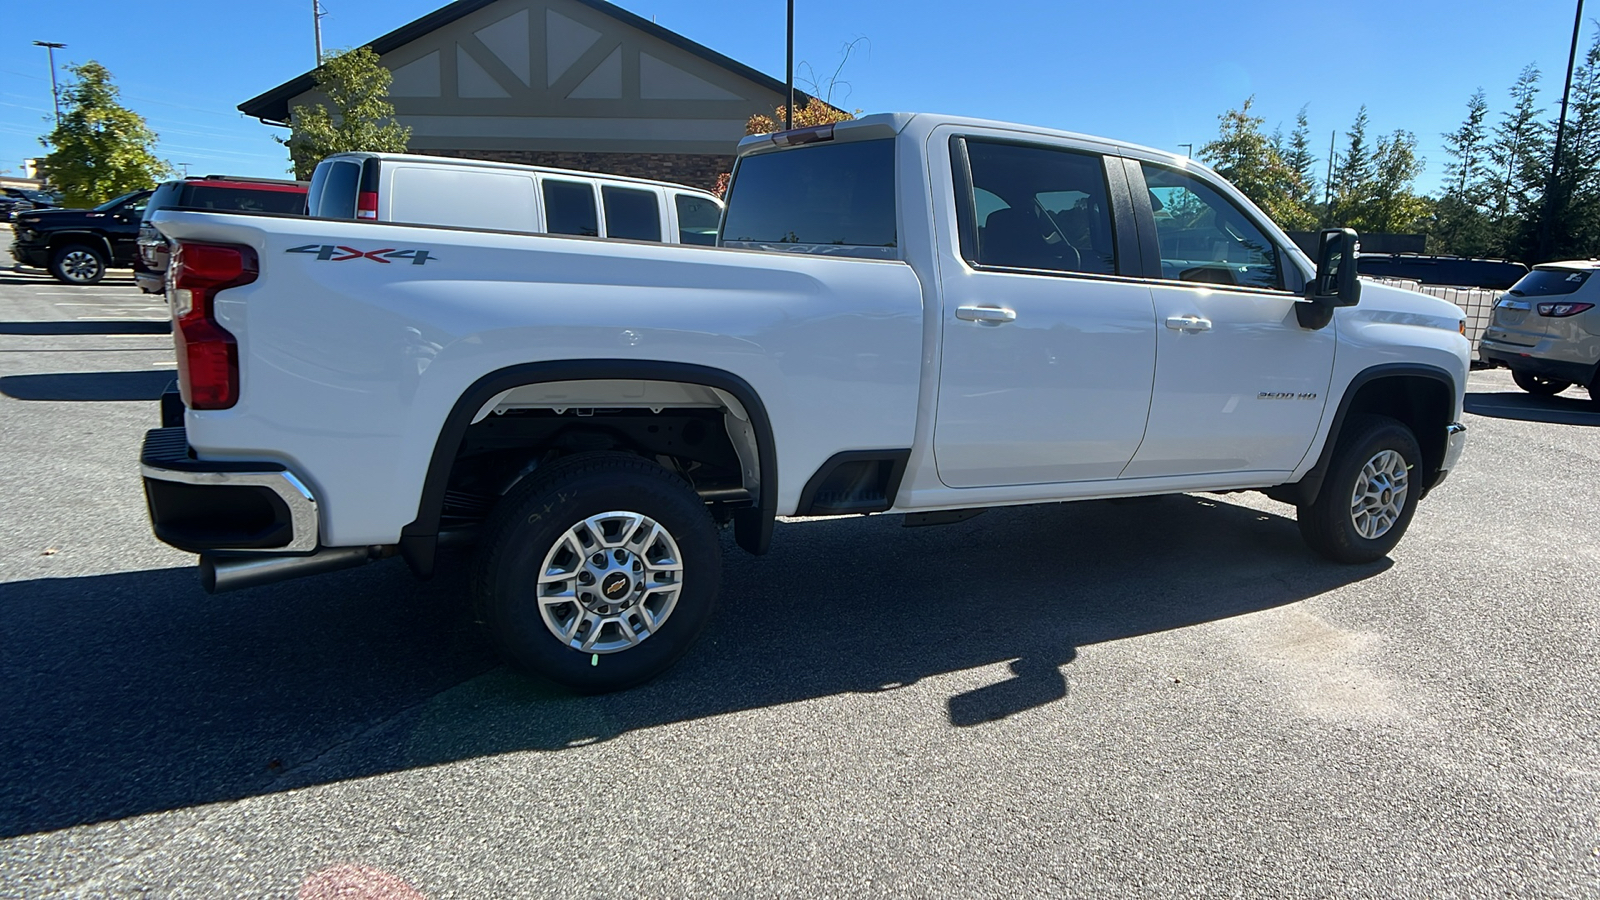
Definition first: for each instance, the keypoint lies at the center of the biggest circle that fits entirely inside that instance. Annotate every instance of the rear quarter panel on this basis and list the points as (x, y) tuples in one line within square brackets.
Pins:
[(349, 367)]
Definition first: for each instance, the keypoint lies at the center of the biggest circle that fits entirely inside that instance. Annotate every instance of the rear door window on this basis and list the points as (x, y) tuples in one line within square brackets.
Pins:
[(822, 198), (698, 218), (1040, 208), (333, 189), (569, 208), (631, 213), (203, 196)]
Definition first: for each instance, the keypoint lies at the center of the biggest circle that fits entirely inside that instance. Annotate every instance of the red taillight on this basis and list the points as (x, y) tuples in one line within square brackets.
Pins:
[(366, 205), (1562, 310), (208, 356)]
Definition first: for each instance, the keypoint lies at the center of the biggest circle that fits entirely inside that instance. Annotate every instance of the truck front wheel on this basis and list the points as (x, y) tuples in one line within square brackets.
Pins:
[(598, 571), (1369, 494), (77, 264)]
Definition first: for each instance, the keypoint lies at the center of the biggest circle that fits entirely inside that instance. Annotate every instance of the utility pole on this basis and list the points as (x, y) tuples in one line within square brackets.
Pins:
[(788, 107), (55, 93), (1553, 186), (1327, 186), (316, 25)]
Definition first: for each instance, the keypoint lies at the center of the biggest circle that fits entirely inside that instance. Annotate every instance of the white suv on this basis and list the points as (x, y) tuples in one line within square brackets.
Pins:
[(1546, 329)]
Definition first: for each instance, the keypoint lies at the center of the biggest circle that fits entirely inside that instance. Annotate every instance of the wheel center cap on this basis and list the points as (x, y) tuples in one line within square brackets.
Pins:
[(615, 586)]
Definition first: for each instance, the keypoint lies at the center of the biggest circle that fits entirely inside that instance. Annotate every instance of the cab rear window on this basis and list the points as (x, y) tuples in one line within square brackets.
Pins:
[(823, 198), (202, 196), (1549, 282)]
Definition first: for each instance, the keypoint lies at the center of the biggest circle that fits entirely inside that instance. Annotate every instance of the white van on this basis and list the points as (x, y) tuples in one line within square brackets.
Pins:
[(470, 193)]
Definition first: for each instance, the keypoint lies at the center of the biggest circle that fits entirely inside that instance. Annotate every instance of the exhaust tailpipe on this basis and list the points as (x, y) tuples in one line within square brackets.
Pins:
[(231, 573)]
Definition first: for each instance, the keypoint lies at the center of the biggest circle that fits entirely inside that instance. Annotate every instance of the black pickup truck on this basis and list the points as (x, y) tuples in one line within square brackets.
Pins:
[(78, 245)]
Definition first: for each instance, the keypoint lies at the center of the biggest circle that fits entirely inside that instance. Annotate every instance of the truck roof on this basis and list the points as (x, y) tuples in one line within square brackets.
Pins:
[(493, 164), (884, 125)]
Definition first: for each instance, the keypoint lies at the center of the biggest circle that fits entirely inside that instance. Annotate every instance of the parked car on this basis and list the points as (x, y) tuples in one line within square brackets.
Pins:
[(213, 192), (471, 193), (1452, 271), (19, 200), (78, 245), (914, 313), (1546, 330)]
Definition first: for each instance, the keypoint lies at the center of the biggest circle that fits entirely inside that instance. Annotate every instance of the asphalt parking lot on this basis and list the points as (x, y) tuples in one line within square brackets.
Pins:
[(1159, 698)]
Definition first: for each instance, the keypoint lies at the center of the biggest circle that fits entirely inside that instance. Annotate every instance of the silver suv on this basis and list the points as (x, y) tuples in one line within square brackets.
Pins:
[(1546, 329)]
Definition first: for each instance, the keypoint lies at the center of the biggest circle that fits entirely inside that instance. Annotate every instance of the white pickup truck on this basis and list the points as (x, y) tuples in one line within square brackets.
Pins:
[(915, 314)]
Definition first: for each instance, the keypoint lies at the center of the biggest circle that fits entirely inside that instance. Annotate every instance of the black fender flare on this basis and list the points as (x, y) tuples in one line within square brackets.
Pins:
[(1305, 490), (99, 241), (752, 526)]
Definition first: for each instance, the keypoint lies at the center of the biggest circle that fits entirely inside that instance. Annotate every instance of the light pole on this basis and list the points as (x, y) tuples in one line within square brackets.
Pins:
[(55, 93), (316, 25), (1553, 186), (788, 106)]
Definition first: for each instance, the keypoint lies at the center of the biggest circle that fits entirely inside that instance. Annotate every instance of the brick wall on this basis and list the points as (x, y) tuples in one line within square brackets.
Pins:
[(694, 169)]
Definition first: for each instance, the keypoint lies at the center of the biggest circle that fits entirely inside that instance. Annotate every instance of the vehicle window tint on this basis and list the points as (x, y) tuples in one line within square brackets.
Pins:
[(135, 207), (1205, 237), (1549, 282), (698, 218), (333, 189), (824, 197), (631, 213), (200, 196), (1037, 208), (165, 196), (569, 208)]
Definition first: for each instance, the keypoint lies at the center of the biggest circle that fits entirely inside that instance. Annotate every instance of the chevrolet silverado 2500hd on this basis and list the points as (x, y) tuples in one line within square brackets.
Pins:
[(906, 313)]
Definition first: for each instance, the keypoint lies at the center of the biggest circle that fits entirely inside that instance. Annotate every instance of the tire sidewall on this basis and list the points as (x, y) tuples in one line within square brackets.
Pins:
[(1537, 386), (58, 268), (1374, 436), (507, 592)]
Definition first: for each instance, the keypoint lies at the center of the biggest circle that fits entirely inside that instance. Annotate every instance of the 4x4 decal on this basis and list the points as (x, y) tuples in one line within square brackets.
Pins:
[(336, 253)]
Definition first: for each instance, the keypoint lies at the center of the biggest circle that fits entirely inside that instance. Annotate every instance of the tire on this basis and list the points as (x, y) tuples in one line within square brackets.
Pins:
[(1372, 452), (613, 500), (77, 264), (1538, 385)]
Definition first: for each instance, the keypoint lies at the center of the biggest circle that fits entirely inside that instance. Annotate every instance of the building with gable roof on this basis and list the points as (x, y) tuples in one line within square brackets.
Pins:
[(579, 84)]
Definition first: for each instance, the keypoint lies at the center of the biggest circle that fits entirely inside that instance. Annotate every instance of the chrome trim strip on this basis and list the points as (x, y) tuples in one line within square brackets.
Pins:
[(1455, 442), (290, 489)]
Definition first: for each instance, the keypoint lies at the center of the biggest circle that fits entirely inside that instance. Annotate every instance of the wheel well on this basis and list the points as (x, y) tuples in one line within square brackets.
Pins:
[(1422, 403), (96, 241), (707, 426)]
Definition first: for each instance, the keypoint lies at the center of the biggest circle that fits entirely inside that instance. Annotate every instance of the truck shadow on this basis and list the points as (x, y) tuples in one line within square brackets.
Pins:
[(120, 326), (1571, 408), (88, 386), (135, 693)]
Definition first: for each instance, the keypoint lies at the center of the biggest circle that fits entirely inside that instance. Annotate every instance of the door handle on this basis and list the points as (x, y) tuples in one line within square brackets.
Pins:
[(1188, 323), (988, 315)]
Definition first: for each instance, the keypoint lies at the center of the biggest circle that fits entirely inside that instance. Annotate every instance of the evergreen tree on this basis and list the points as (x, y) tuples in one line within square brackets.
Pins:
[(357, 85), (1394, 205), (100, 149), (1575, 226), (1249, 159), (1461, 224), (1515, 184), (1302, 160), (1352, 178)]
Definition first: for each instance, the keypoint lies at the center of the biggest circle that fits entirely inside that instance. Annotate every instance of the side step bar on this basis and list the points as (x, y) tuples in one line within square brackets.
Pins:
[(230, 573)]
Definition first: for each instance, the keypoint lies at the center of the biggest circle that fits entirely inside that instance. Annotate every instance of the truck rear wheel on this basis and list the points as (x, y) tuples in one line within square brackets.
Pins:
[(77, 264), (1369, 494), (598, 571)]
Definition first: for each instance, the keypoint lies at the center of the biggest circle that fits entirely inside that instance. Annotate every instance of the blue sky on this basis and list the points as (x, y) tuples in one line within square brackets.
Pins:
[(1156, 73)]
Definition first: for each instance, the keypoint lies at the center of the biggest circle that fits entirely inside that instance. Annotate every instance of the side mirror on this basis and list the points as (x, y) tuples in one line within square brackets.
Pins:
[(1335, 283)]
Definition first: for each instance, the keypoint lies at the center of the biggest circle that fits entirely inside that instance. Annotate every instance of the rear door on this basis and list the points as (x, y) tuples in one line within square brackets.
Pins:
[(1048, 341), (1239, 385)]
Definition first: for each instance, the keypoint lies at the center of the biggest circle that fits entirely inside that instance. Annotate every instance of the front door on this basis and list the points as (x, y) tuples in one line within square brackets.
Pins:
[(1239, 386), (1048, 353)]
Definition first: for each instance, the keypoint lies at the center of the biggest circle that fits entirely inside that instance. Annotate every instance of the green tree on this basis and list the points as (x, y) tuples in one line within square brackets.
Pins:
[(101, 148), (1394, 205), (1461, 224), (1516, 169), (362, 118), (1302, 160), (1352, 177), (1249, 159), (1575, 225)]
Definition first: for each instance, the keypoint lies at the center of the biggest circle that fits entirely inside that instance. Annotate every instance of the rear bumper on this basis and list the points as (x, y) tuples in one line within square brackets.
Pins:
[(1559, 370), (203, 506)]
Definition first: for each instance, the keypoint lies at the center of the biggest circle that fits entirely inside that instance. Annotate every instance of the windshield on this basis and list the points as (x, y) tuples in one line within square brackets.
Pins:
[(110, 204), (1543, 282)]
